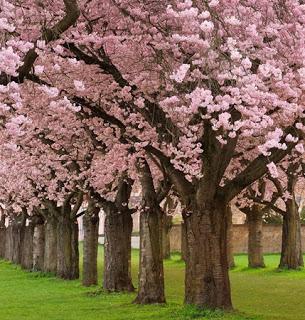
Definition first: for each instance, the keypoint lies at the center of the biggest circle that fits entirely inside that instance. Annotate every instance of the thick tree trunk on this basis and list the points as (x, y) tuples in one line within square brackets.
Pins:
[(9, 243), (67, 266), (91, 229), (291, 255), (38, 247), (255, 245), (117, 249), (207, 282), (230, 252), (27, 247), (74, 250), (166, 227), (50, 250), (64, 247), (2, 237), (2, 242), (151, 276), (17, 236)]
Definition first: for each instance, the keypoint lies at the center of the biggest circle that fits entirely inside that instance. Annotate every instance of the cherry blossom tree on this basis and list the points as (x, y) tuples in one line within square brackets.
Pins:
[(212, 90), (282, 194), (216, 97)]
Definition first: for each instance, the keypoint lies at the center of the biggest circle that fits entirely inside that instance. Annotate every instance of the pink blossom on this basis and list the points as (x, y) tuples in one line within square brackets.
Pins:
[(272, 170), (180, 73), (79, 85), (39, 69), (300, 148), (50, 91)]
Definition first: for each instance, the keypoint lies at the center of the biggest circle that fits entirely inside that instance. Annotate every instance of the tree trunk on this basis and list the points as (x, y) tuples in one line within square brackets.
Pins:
[(255, 245), (151, 276), (50, 250), (17, 236), (64, 248), (166, 227), (9, 242), (27, 247), (74, 249), (2, 237), (91, 230), (38, 247), (291, 255), (207, 282), (230, 253), (117, 249), (67, 266), (183, 241)]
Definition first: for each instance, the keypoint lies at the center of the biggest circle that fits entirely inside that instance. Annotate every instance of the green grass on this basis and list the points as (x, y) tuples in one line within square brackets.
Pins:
[(257, 294)]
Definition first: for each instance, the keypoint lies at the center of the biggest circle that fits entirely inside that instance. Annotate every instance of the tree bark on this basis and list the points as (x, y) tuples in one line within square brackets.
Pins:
[(207, 282), (50, 251), (255, 238), (91, 233), (230, 253), (2, 237), (38, 247), (74, 249), (291, 255), (18, 227), (151, 274), (67, 264), (167, 223), (117, 249), (9, 242), (64, 248), (27, 247)]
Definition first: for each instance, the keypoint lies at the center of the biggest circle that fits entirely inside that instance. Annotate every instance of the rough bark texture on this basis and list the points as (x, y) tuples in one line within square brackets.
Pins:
[(91, 229), (291, 254), (27, 247), (117, 249), (255, 245), (117, 246), (18, 227), (67, 265), (74, 249), (2, 237), (64, 248), (9, 243), (38, 247), (50, 251), (231, 262), (151, 274), (207, 282), (167, 223)]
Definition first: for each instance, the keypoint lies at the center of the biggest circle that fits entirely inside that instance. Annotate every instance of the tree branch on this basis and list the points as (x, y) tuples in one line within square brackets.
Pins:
[(48, 35), (255, 170)]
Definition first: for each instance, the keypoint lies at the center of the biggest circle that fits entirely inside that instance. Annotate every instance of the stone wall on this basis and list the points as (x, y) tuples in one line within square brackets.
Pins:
[(272, 238)]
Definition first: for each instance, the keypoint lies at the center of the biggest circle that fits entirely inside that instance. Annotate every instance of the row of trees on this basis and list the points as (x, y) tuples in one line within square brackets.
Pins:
[(277, 198), (203, 98)]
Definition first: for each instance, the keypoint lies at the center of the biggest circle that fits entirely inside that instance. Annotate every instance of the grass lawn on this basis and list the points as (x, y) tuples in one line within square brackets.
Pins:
[(257, 294)]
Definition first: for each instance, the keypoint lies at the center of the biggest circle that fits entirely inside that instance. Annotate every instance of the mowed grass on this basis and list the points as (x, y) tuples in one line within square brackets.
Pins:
[(257, 294)]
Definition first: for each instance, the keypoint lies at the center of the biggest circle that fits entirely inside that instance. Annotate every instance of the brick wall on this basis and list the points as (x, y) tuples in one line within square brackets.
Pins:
[(272, 238)]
